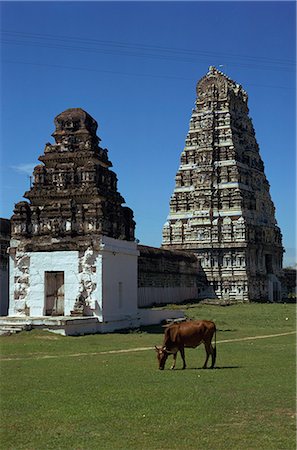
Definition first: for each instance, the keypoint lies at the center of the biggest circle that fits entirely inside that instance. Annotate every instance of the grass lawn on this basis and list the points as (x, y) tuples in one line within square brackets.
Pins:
[(66, 393)]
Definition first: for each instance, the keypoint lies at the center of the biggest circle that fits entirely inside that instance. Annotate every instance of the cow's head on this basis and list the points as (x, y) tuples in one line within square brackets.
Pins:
[(162, 356)]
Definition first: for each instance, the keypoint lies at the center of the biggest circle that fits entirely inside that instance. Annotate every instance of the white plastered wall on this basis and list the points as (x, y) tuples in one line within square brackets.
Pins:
[(119, 279), (39, 263), (107, 277)]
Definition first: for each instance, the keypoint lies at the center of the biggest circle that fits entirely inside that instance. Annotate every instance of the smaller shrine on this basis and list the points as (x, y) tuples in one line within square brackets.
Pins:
[(72, 252), (74, 192)]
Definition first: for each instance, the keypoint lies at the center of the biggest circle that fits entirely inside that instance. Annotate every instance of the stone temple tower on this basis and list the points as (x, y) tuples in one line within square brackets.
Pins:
[(74, 193), (221, 207), (72, 249)]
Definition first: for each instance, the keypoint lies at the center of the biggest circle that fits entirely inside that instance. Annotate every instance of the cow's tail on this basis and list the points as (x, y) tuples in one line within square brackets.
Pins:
[(214, 355)]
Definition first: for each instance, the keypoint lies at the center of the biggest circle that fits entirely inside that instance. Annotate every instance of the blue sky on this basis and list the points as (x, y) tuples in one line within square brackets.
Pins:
[(134, 67)]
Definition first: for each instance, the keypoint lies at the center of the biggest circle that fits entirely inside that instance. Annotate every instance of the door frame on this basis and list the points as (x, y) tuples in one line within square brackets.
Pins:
[(48, 277)]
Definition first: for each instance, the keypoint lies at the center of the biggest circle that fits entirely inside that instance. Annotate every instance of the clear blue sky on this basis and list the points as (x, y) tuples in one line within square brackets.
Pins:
[(134, 67)]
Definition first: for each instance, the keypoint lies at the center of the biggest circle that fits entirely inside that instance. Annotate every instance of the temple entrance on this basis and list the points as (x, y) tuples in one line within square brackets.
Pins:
[(54, 293), (274, 288)]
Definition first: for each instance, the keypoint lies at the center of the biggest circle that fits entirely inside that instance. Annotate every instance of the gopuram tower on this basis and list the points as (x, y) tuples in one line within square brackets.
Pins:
[(221, 207), (73, 250)]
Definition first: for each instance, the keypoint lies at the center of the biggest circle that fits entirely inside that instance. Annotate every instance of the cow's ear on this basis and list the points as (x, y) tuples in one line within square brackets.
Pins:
[(164, 349), (157, 349)]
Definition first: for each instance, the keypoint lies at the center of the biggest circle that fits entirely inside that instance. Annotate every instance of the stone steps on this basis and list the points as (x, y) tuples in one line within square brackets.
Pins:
[(6, 329), (75, 326)]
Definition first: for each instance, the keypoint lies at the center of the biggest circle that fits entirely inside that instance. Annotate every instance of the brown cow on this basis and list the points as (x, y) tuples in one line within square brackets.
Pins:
[(187, 334)]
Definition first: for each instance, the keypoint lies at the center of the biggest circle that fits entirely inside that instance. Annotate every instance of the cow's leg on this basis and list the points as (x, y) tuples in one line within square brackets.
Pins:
[(182, 352), (213, 356), (174, 360), (209, 351), (207, 346)]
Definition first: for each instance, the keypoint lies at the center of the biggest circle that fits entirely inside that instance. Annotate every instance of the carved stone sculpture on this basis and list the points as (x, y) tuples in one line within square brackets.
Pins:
[(74, 194), (222, 195)]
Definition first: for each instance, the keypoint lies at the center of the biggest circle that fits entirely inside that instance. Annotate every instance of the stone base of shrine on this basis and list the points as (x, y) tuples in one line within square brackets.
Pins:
[(78, 326)]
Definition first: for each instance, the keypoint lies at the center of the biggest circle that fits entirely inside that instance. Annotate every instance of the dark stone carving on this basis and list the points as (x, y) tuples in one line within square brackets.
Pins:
[(74, 192), (79, 307)]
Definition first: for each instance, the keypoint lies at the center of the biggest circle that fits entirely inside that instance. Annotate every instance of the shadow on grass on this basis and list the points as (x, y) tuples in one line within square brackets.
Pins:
[(227, 330), (159, 329), (150, 329), (226, 367), (208, 369)]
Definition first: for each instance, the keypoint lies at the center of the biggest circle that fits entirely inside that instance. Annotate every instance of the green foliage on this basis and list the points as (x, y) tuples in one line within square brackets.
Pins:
[(66, 393)]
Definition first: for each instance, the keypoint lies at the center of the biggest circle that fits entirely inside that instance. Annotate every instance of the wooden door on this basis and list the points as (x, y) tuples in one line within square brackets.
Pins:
[(54, 293)]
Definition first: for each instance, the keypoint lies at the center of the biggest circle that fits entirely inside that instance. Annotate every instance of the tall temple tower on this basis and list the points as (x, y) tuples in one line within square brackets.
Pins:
[(221, 207)]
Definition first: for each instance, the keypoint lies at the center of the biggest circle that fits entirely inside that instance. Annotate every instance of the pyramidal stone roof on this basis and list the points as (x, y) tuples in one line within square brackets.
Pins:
[(74, 195), (221, 207)]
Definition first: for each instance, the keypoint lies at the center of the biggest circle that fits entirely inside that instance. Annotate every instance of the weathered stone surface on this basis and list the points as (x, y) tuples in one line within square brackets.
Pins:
[(4, 266), (56, 264), (74, 193), (73, 251), (4, 242), (290, 276), (168, 276), (221, 207)]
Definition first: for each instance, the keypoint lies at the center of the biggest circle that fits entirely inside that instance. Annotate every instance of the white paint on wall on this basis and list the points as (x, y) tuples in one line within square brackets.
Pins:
[(19, 282), (106, 279), (11, 311), (119, 278), (90, 280), (41, 262)]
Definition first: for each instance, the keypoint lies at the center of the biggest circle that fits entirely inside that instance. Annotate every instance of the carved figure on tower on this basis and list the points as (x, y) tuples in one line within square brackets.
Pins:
[(222, 195), (74, 192)]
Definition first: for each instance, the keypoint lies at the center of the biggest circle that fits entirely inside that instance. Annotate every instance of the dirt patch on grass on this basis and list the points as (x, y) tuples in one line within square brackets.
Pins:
[(128, 350), (47, 338), (286, 412)]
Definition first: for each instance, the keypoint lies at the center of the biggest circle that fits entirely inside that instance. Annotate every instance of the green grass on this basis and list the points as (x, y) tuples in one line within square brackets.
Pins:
[(121, 401)]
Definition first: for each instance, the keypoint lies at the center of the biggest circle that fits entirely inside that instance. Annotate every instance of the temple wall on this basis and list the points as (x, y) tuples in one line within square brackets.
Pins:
[(4, 265), (105, 278), (148, 295), (168, 277), (119, 279), (27, 296), (4, 290), (290, 281)]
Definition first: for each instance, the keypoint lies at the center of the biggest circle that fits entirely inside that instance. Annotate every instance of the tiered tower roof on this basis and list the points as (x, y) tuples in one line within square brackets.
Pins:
[(221, 203), (74, 193)]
